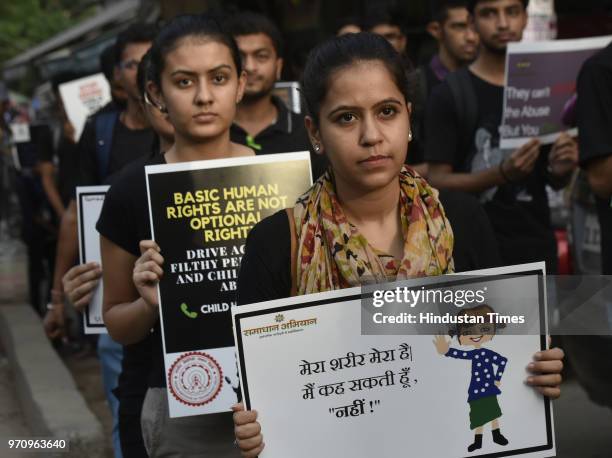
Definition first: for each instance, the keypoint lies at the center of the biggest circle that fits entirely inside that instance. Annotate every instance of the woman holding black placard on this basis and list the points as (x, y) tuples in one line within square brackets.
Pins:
[(197, 80)]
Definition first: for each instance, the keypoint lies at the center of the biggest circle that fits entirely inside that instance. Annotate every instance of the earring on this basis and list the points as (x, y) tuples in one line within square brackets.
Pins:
[(410, 136), (317, 147)]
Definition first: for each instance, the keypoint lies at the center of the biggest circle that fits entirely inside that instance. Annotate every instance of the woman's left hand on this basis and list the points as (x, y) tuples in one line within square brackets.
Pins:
[(546, 372)]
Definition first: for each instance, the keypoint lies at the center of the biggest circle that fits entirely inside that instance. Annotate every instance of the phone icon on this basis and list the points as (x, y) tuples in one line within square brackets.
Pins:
[(187, 312)]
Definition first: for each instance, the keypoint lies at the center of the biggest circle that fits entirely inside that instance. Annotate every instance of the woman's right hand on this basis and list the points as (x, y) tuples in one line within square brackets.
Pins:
[(247, 431), (148, 272)]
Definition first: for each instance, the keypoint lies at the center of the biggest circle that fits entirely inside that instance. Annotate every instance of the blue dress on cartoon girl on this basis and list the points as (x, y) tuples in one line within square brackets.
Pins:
[(486, 373)]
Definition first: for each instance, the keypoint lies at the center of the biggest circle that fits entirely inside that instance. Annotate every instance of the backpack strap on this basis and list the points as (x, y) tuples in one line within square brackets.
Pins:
[(466, 104), (104, 127), (293, 251)]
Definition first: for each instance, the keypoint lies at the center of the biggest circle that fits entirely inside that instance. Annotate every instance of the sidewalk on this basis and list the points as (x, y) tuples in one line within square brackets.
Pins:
[(13, 272), (583, 429), (12, 422), (43, 394)]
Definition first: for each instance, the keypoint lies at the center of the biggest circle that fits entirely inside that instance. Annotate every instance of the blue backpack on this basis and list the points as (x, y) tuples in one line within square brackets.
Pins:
[(104, 128)]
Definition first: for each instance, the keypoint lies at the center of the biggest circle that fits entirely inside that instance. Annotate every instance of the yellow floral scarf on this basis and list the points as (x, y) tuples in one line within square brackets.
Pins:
[(331, 254)]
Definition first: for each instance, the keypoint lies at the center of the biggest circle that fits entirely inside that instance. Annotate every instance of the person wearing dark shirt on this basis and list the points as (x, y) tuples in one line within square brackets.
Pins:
[(360, 226), (37, 228), (196, 78), (263, 122), (79, 284), (457, 42), (594, 116), (58, 159), (594, 122), (130, 138), (511, 184)]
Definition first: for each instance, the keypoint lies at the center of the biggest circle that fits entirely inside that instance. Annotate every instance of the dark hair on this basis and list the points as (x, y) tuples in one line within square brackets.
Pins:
[(143, 74), (482, 310), (339, 52), (378, 16), (136, 33), (201, 26), (472, 4), (250, 23), (107, 62), (438, 9)]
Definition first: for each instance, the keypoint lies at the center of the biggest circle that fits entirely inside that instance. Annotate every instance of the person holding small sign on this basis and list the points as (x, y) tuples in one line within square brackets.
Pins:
[(368, 217), (463, 152)]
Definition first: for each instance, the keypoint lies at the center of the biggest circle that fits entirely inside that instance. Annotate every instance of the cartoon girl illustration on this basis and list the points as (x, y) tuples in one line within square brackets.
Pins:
[(485, 380)]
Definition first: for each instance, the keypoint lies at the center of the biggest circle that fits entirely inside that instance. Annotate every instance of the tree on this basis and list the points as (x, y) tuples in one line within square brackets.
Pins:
[(25, 23)]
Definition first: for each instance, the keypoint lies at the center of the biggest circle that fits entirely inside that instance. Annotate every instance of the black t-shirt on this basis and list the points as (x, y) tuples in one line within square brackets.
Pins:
[(127, 146), (286, 135), (265, 271), (431, 78), (518, 211), (66, 152), (595, 125), (30, 152), (124, 220)]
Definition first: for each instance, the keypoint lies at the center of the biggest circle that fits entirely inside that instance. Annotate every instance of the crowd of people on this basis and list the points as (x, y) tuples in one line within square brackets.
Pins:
[(409, 178)]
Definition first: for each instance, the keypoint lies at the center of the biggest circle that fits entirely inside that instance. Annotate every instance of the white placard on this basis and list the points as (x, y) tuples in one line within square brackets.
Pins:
[(20, 132), (322, 389), (89, 206), (83, 97)]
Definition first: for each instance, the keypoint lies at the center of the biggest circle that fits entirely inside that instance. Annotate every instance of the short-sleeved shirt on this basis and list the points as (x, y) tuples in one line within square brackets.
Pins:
[(265, 272), (483, 375), (124, 220), (127, 146), (518, 211), (594, 123), (286, 135)]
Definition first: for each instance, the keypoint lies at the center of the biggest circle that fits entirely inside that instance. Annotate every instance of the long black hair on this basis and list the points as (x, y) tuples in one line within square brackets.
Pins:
[(340, 52)]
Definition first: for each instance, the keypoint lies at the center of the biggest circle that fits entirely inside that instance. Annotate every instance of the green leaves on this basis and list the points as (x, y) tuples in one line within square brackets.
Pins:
[(26, 23)]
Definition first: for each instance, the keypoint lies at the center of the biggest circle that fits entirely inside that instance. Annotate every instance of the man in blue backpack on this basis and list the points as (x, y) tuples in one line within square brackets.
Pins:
[(463, 118), (111, 139)]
